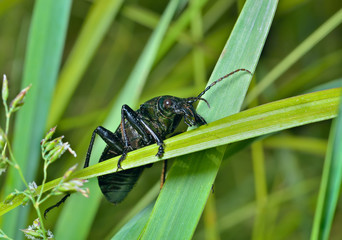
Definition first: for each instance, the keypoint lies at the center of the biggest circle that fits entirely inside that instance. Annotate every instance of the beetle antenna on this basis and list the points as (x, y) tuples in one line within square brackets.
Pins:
[(194, 99), (221, 78)]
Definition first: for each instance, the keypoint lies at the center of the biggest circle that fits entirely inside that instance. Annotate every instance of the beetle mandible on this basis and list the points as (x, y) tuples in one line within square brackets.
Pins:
[(151, 123)]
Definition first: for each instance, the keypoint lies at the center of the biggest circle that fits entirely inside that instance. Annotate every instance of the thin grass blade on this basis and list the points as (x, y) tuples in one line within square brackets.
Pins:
[(182, 199), (94, 29), (333, 22), (133, 228), (258, 121), (43, 57), (330, 184)]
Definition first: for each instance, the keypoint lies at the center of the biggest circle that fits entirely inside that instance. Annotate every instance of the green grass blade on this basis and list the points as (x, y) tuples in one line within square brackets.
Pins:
[(182, 199), (144, 202), (330, 183), (331, 84), (133, 228), (198, 54), (307, 78), (258, 121), (260, 185), (298, 143), (128, 95), (6, 5), (94, 29), (177, 29), (296, 54), (210, 219), (245, 212), (42, 62)]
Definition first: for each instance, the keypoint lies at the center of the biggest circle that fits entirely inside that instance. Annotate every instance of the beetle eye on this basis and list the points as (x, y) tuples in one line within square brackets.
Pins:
[(167, 103)]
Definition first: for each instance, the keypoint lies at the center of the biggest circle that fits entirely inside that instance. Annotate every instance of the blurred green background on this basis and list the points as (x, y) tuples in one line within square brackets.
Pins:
[(293, 158)]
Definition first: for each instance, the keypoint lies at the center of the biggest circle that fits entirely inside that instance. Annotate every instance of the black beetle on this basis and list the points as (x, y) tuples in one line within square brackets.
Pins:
[(151, 123)]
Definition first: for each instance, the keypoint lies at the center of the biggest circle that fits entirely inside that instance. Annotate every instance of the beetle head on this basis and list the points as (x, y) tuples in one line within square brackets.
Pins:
[(170, 106)]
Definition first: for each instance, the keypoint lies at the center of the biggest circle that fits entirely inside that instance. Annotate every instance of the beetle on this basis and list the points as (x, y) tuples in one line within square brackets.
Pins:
[(151, 123)]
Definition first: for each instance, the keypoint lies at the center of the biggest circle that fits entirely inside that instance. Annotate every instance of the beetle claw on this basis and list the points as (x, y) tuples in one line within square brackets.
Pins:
[(123, 157), (160, 151), (119, 167)]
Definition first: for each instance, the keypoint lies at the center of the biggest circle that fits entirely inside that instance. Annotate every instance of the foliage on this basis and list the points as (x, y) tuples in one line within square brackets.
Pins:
[(118, 52), (51, 151)]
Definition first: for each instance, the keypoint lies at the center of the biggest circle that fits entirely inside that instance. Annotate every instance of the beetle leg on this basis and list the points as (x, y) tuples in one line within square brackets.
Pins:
[(126, 113), (108, 137), (163, 174), (134, 119), (123, 157), (138, 124), (56, 205), (199, 120)]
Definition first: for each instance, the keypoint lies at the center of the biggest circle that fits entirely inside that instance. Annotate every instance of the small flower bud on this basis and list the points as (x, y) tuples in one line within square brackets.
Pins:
[(48, 135), (36, 223), (3, 165), (33, 186), (25, 201), (54, 149), (74, 185), (9, 198), (58, 153), (69, 172), (18, 101), (51, 144), (72, 152), (56, 193), (2, 140), (50, 234), (52, 152), (31, 234), (35, 231), (4, 91)]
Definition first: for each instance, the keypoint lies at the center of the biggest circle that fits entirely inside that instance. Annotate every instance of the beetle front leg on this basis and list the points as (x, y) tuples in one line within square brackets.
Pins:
[(141, 127), (108, 137), (123, 157), (161, 151)]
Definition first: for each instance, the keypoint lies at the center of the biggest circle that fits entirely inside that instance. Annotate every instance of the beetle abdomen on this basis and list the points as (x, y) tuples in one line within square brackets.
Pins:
[(116, 186)]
